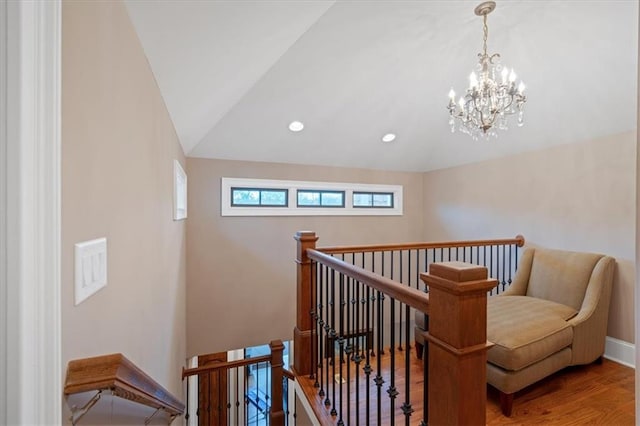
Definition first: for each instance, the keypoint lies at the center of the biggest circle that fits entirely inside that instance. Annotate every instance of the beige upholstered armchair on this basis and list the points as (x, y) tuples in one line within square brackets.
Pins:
[(554, 315)]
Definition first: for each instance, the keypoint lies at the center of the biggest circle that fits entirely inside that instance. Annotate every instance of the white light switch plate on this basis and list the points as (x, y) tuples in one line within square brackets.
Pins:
[(91, 268)]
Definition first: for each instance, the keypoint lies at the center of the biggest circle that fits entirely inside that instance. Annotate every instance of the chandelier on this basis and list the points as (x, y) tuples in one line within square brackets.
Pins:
[(492, 95)]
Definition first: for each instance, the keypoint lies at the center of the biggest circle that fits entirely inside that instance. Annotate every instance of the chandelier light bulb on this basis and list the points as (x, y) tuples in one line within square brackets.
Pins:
[(473, 80), (492, 95), (521, 87)]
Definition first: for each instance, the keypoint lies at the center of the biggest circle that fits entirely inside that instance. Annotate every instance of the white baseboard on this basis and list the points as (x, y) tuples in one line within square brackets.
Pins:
[(620, 351)]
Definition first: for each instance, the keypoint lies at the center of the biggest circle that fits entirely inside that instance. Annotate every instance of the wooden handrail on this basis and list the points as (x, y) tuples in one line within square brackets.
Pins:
[(224, 365), (410, 296), (123, 378), (288, 374), (518, 240)]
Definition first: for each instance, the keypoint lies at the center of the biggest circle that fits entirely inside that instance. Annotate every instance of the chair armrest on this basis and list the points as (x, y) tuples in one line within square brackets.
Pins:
[(521, 281), (590, 324)]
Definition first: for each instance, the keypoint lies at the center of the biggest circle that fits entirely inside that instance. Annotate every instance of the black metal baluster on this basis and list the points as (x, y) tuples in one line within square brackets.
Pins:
[(371, 313), (425, 373), (268, 392), (391, 391), (356, 353), (510, 264), (320, 330), (237, 404), (246, 396), (504, 263), (256, 388), (381, 312), (327, 328), (350, 333), (409, 272), (341, 348), (378, 380), (400, 319), (491, 267), (406, 407), (367, 365), (426, 262), (314, 319), (186, 414), (333, 335)]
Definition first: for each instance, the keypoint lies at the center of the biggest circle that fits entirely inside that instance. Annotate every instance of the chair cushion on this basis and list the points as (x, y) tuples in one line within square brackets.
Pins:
[(561, 276), (525, 330)]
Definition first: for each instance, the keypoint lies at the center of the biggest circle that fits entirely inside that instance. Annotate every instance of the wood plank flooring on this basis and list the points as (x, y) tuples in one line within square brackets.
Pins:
[(595, 394)]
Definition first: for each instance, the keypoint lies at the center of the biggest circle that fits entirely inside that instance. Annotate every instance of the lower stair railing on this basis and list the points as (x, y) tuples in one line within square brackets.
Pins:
[(355, 308), (250, 391)]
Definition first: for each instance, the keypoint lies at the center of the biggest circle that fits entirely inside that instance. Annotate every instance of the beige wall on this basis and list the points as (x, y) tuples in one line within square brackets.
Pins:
[(576, 197), (241, 270), (118, 147)]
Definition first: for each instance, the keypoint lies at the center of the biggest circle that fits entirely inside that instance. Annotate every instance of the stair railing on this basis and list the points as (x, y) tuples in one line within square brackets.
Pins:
[(268, 406)]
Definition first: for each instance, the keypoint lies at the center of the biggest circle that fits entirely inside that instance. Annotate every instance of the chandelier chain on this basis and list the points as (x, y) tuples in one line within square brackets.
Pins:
[(485, 29)]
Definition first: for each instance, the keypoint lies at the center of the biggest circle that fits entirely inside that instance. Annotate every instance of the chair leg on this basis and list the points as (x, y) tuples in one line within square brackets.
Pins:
[(419, 349), (599, 360), (506, 403)]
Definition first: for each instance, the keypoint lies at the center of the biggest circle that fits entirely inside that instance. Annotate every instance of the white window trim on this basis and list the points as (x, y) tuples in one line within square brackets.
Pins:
[(226, 209)]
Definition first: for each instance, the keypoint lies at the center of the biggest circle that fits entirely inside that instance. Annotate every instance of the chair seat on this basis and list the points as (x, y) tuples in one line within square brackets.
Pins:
[(526, 329)]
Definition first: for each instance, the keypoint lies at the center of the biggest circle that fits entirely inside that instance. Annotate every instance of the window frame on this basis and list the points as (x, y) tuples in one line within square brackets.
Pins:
[(372, 206), (292, 209), (260, 190), (321, 192)]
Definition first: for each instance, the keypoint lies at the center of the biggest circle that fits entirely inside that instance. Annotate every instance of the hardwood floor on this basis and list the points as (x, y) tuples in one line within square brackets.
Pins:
[(590, 394), (595, 394)]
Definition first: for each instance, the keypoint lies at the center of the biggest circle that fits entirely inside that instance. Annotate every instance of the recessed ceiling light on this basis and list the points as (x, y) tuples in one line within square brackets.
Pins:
[(296, 126), (389, 137)]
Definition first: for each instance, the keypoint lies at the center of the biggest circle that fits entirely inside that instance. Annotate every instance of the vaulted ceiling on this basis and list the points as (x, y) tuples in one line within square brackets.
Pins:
[(234, 74)]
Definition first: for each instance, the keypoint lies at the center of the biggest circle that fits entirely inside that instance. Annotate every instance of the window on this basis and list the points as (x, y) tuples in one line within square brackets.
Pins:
[(259, 197), (317, 198), (265, 197), (373, 199)]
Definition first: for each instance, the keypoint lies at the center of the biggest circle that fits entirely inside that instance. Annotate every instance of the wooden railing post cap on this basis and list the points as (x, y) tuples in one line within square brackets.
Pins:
[(520, 239), (458, 271), (276, 345), (458, 278), (305, 236)]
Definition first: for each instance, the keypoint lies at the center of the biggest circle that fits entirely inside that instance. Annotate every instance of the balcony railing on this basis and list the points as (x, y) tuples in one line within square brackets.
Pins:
[(355, 317)]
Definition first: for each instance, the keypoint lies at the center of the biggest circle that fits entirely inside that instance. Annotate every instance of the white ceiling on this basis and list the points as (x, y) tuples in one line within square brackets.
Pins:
[(234, 74)]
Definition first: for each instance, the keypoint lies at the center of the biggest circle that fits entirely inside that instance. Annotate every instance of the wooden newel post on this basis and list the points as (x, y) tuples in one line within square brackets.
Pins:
[(457, 343), (277, 415), (303, 333)]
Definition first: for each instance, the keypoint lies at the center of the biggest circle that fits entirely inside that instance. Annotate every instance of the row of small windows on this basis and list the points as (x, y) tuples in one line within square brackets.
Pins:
[(267, 197)]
